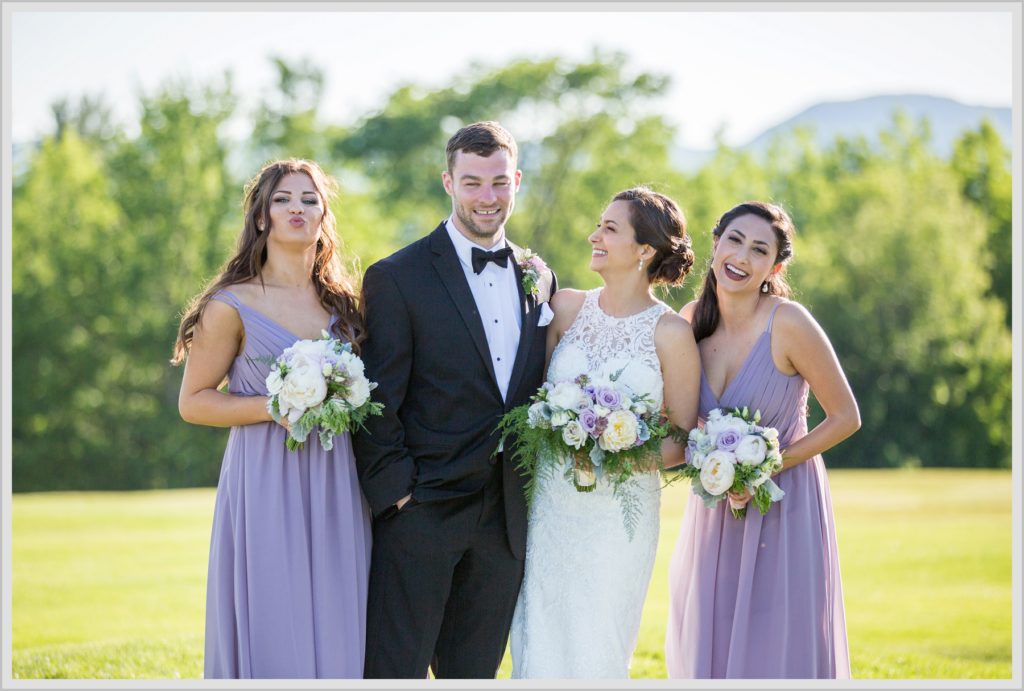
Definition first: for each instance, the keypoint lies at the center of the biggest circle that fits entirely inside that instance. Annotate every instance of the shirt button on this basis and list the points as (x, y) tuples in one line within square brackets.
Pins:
[(495, 321), (499, 359)]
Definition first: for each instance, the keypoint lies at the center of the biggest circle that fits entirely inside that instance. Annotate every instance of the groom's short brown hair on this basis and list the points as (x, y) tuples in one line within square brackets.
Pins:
[(482, 139)]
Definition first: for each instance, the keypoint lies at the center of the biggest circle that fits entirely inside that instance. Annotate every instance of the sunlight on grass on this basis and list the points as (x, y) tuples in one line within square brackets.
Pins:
[(112, 585)]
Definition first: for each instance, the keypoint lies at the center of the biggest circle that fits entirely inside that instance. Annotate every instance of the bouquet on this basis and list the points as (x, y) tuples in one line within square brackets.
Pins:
[(319, 383), (597, 427), (733, 453)]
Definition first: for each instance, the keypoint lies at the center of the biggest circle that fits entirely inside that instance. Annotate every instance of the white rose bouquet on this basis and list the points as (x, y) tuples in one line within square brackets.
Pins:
[(607, 431), (319, 383), (733, 453)]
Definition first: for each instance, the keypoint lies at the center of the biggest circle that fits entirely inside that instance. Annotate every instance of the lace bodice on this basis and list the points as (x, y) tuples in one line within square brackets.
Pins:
[(598, 342)]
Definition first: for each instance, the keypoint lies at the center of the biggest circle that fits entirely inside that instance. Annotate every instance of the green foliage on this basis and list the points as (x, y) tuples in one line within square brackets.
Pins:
[(109, 248), (981, 162), (891, 261), (285, 123)]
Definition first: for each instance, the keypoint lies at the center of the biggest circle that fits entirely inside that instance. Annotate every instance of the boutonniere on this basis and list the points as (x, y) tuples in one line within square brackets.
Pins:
[(532, 266)]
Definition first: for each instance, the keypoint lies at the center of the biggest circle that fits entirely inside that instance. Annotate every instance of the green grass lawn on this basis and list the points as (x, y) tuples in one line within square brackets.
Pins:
[(112, 585)]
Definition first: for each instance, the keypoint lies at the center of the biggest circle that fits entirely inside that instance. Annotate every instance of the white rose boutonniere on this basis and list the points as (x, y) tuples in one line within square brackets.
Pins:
[(532, 267)]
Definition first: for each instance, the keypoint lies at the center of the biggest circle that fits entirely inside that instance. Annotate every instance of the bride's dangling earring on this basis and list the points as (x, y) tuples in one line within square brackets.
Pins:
[(640, 266)]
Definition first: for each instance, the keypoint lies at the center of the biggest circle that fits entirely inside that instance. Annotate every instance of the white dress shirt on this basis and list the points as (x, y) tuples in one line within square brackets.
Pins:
[(497, 300)]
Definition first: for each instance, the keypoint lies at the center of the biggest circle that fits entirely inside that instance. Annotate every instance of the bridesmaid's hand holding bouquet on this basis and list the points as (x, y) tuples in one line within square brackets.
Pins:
[(319, 382), (732, 453)]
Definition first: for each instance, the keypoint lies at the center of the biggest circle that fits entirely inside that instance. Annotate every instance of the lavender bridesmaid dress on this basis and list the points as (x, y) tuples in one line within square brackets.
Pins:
[(290, 547), (761, 597)]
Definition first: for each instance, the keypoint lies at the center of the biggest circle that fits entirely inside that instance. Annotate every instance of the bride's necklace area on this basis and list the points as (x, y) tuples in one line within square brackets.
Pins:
[(631, 311)]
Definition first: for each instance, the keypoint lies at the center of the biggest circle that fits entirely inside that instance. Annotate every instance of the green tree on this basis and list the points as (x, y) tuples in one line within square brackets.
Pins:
[(982, 164), (890, 259), (285, 124), (65, 222), (123, 243)]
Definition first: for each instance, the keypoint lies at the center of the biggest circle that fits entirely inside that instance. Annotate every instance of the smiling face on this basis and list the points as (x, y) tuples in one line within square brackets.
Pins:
[(745, 254), (295, 210), (613, 245), (483, 191)]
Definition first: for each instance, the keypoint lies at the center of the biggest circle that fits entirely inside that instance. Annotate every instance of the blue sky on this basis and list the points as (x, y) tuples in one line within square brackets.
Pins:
[(742, 71)]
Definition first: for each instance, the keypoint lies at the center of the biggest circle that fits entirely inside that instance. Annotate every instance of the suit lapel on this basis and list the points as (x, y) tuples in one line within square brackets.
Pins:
[(528, 320), (446, 262)]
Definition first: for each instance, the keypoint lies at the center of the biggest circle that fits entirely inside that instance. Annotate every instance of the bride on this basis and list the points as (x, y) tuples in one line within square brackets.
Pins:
[(578, 613)]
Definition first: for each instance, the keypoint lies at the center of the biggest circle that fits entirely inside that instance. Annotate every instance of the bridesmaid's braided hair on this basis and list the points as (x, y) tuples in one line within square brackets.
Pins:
[(332, 283), (706, 314)]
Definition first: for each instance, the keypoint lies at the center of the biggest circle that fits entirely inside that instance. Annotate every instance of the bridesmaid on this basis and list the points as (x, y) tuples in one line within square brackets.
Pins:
[(290, 548), (762, 597)]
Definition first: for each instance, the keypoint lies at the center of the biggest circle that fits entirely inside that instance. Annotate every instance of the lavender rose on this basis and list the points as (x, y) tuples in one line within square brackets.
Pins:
[(588, 421), (728, 439), (608, 397)]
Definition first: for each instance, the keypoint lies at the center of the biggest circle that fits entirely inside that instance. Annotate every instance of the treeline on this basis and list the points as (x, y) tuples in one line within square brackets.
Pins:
[(904, 258)]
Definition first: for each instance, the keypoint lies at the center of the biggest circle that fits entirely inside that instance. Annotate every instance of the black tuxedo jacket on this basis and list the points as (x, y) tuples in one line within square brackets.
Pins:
[(427, 351)]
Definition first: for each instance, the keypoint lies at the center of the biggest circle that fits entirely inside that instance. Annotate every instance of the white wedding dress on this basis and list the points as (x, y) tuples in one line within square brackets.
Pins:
[(578, 613)]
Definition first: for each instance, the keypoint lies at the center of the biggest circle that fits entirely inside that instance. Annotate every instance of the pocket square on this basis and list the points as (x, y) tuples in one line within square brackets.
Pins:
[(546, 315)]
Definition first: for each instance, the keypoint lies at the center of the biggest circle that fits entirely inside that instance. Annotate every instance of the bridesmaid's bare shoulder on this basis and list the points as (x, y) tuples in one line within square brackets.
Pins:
[(688, 311), (793, 320)]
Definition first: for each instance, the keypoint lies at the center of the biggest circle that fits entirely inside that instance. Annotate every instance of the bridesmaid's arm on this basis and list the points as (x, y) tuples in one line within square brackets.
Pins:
[(215, 343), (806, 348), (680, 368), (566, 304)]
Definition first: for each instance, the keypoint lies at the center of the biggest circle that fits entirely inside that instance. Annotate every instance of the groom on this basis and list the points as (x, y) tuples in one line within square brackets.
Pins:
[(456, 339)]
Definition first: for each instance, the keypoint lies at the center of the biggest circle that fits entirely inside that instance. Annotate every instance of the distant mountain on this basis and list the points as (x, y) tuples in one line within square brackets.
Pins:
[(868, 116)]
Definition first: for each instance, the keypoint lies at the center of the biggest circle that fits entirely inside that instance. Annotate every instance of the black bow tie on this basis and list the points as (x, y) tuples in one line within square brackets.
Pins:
[(481, 257)]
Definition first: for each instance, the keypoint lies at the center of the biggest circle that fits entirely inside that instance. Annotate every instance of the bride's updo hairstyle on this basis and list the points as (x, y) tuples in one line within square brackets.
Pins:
[(706, 314), (659, 222)]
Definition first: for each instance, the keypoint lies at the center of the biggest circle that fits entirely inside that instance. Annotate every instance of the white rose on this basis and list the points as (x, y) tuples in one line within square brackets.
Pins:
[(303, 388), (274, 382), (601, 411), (751, 450), (353, 365), (620, 433), (539, 415), (305, 349), (567, 396), (358, 392), (559, 418), (718, 472), (573, 434), (770, 433)]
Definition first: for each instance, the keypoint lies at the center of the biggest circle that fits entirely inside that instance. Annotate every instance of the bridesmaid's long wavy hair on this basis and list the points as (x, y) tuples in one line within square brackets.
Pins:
[(332, 283), (706, 315)]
